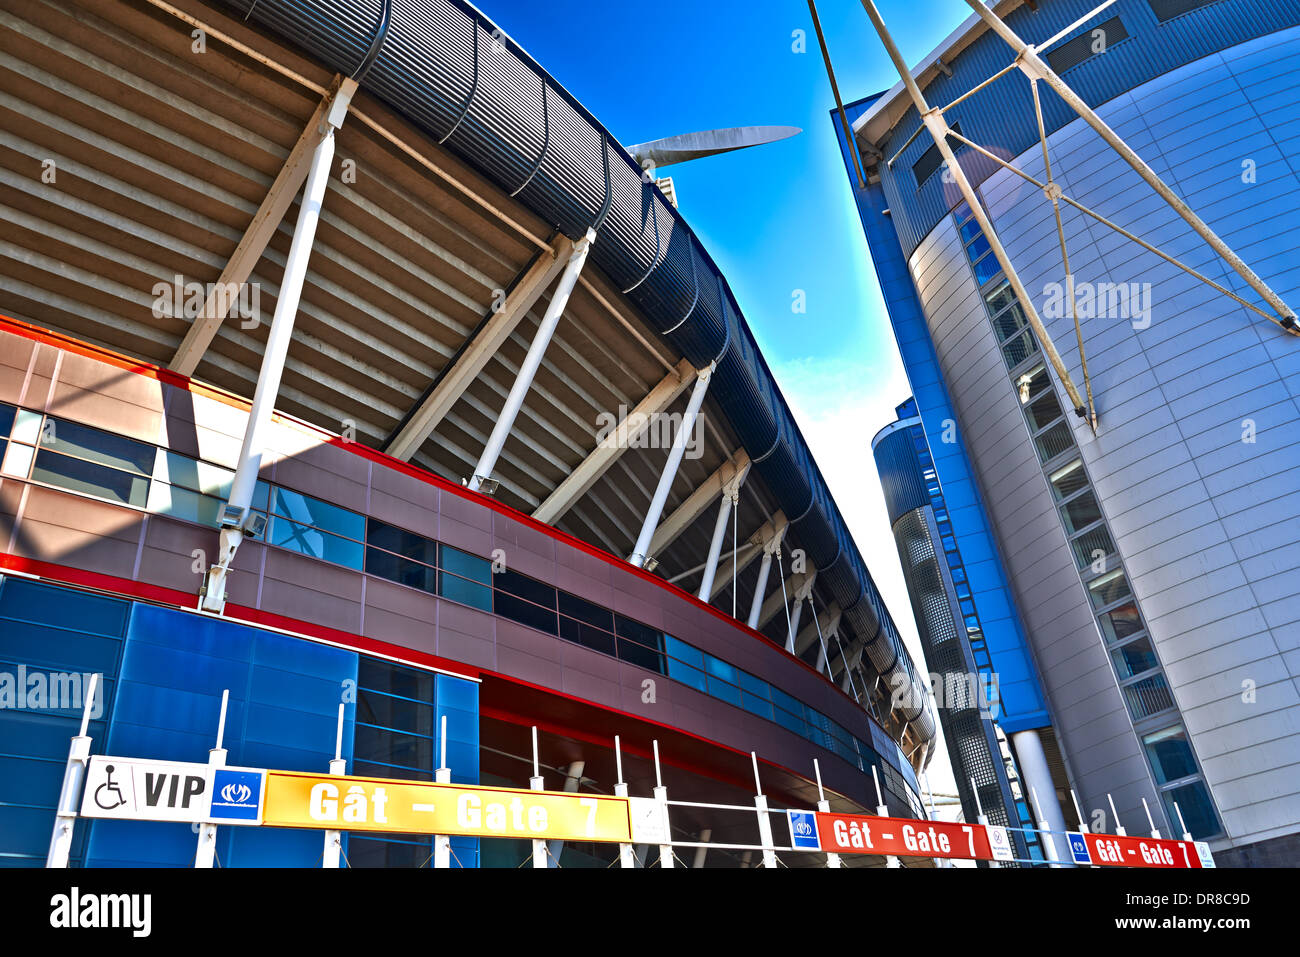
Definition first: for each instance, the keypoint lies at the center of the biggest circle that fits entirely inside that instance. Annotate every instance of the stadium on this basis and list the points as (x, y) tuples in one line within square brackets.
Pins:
[(338, 344)]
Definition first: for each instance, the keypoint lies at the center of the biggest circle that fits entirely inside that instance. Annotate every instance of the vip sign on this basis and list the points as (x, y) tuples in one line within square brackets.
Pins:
[(902, 837), (377, 804), (140, 790)]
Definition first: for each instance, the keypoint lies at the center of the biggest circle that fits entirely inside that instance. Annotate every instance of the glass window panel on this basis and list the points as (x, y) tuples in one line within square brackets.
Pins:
[(1120, 622), (461, 590), (394, 679), (720, 688), (1170, 753), (1193, 800), (401, 570), (756, 704), (1080, 512), (962, 212), (1068, 479), (680, 650), (7, 415), (183, 504), (1042, 411), (586, 612), (402, 714), (1134, 658), (687, 675), (979, 247), (466, 565), (1092, 546), (720, 668), (27, 426), (793, 722), (1018, 349), (95, 445), (525, 612), (986, 269), (394, 747), (18, 460), (753, 684), (597, 639), (312, 511), (969, 230), (1000, 297), (1009, 322), (185, 472), (1148, 696), (1054, 441), (1108, 588), (401, 542), (312, 541), (1032, 383), (636, 653), (789, 703), (88, 478), (521, 586)]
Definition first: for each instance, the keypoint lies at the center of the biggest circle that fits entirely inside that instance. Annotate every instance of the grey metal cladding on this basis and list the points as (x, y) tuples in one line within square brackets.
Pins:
[(1197, 463)]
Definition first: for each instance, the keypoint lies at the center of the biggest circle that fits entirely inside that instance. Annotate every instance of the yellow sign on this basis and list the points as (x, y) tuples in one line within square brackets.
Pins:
[(414, 807)]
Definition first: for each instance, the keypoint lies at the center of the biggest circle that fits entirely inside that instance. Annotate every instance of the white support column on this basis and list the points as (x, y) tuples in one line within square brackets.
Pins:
[(1034, 67), (661, 795), (824, 806), (528, 368), (442, 842), (264, 224), (702, 853), (642, 547), (572, 778), (206, 853), (235, 516), (537, 783), (338, 767), (883, 810), (74, 779), (802, 594), (627, 857), (938, 127), (764, 819), (1032, 762), (726, 507), (771, 545)]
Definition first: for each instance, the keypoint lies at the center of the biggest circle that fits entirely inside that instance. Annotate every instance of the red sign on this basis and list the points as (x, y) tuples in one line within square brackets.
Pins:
[(1111, 850), (902, 837)]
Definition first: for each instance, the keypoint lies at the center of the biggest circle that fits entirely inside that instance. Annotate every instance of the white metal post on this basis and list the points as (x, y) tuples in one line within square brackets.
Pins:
[(934, 815), (760, 589), (1119, 828), (532, 361), (537, 784), (235, 515), (207, 849), (338, 768), (1047, 838), (823, 805), (74, 779), (1034, 67), (661, 795), (1155, 831), (1187, 835), (764, 820), (883, 810), (938, 126), (626, 857), (715, 546), (442, 842), (980, 817), (642, 547)]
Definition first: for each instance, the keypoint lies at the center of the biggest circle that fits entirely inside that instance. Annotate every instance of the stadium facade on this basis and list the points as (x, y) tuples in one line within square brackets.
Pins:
[(471, 329), (1136, 587)]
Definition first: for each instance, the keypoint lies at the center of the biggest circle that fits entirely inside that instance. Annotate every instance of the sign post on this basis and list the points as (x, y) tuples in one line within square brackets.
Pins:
[(338, 767), (823, 805), (764, 820), (442, 842), (207, 849), (74, 776), (625, 856)]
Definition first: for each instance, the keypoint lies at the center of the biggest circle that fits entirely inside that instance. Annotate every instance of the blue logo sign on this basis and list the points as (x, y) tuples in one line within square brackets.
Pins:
[(1078, 848), (803, 830), (236, 795)]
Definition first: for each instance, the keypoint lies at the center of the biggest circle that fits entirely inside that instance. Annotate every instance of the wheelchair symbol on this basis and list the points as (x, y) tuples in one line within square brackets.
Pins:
[(114, 792)]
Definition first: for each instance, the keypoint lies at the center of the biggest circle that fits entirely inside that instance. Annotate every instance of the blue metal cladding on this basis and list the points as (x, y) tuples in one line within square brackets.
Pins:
[(1024, 705), (1001, 116), (900, 474)]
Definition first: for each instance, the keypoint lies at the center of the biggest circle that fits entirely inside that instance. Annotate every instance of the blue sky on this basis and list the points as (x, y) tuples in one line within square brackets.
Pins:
[(778, 218)]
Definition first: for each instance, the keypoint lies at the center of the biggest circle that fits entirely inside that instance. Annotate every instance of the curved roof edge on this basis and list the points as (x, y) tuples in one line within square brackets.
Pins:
[(462, 80)]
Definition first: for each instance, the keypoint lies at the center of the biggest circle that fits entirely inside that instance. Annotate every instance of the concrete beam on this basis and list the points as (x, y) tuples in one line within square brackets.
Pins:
[(607, 452), (265, 222), (466, 366), (776, 600), (729, 472), (829, 619)]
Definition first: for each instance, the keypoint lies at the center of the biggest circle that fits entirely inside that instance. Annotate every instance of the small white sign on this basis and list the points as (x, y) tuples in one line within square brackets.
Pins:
[(1203, 852), (143, 790), (999, 843), (649, 824)]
